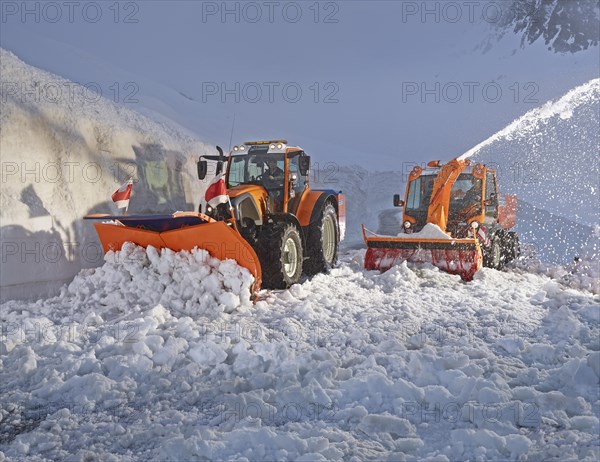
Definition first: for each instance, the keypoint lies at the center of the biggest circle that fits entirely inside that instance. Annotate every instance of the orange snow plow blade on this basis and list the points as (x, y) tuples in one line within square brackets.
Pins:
[(181, 231), (454, 256)]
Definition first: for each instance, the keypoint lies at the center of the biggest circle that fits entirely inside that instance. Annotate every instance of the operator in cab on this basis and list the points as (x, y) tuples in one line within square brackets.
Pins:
[(274, 173)]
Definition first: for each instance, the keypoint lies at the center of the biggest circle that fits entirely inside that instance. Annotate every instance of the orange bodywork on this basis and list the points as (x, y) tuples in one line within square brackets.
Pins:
[(507, 211), (307, 204), (440, 199), (258, 193)]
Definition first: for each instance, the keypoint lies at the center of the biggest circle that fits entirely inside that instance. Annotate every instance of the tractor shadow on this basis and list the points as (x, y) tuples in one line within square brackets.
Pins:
[(41, 255), (159, 185)]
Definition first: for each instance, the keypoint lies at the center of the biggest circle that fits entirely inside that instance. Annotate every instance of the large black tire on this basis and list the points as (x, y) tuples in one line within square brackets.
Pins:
[(511, 249), (322, 242), (281, 255)]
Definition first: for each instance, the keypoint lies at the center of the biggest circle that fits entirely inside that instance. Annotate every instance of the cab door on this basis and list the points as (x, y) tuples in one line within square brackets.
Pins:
[(294, 188), (490, 198)]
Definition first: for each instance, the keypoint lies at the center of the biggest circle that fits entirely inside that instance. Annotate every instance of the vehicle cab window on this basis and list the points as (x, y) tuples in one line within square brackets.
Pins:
[(491, 196), (490, 186), (294, 166), (272, 178), (273, 174)]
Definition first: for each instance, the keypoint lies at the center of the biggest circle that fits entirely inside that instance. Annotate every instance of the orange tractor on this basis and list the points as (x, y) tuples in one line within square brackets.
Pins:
[(453, 218), (271, 223)]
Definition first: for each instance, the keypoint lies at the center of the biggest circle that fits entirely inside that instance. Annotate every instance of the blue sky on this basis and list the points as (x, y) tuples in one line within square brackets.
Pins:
[(361, 76)]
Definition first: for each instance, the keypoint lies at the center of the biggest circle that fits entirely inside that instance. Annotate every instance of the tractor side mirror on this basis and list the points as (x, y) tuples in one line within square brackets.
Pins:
[(292, 179), (202, 169), (221, 160), (397, 201), (304, 165), (220, 164)]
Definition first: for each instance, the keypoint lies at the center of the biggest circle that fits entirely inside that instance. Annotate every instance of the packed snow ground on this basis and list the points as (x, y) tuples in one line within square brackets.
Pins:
[(162, 356)]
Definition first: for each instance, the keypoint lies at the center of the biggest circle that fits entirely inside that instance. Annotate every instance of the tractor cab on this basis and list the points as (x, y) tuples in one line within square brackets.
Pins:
[(281, 170), (260, 168), (263, 178), (471, 192)]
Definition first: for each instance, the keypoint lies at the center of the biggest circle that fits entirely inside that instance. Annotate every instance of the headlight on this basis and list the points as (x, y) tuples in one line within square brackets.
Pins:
[(208, 209), (242, 148), (474, 225), (236, 148), (272, 146), (407, 224), (279, 146)]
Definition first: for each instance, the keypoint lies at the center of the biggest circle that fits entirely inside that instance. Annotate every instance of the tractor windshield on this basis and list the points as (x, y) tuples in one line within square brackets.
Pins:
[(465, 197), (261, 168), (419, 193)]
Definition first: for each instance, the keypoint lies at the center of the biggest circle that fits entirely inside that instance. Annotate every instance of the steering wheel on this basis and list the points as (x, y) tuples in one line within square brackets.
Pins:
[(457, 195), (265, 178)]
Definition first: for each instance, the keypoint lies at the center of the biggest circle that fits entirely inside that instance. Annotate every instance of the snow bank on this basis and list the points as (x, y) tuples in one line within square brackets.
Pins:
[(549, 159), (582, 274), (133, 362), (65, 150)]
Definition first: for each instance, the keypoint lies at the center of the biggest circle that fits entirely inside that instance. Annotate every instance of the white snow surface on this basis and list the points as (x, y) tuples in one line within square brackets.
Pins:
[(158, 355)]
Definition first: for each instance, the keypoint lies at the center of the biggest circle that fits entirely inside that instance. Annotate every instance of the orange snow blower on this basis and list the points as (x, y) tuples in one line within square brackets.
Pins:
[(453, 218)]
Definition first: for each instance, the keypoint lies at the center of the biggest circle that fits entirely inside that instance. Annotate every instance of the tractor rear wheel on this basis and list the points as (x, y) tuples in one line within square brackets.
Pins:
[(281, 255), (322, 242), (511, 250)]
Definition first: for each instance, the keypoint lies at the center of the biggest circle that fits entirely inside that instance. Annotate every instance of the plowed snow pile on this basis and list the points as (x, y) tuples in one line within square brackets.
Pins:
[(192, 283), (161, 356)]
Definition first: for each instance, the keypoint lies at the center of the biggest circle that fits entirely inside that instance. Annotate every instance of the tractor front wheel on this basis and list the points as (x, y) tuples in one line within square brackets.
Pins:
[(322, 242), (281, 255)]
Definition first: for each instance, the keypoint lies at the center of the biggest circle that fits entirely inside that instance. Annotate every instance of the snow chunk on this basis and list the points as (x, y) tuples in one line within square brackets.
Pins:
[(429, 231), (207, 353), (373, 424)]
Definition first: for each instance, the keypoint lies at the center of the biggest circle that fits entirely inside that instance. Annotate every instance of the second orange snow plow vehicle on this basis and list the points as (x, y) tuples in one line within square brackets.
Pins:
[(453, 218), (271, 222)]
